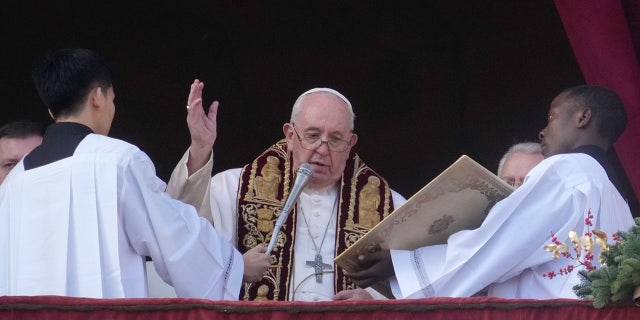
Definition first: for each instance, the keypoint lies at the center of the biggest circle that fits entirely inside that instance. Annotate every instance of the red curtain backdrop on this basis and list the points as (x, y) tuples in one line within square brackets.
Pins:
[(604, 37)]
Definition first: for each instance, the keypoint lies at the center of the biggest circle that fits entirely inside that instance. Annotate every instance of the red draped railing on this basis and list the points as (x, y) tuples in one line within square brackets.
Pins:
[(55, 307)]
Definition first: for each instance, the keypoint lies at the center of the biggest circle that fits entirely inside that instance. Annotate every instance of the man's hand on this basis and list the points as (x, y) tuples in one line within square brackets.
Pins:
[(377, 267), (256, 263), (355, 294), (202, 127)]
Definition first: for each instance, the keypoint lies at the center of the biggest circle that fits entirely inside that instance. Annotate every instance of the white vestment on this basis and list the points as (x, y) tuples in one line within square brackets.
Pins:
[(318, 208), (506, 252), (82, 226)]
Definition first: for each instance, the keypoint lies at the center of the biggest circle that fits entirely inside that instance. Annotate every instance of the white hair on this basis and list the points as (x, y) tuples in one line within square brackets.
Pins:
[(524, 147), (296, 106)]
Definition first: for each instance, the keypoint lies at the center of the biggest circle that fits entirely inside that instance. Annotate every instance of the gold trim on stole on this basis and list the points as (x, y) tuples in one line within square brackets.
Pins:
[(264, 187)]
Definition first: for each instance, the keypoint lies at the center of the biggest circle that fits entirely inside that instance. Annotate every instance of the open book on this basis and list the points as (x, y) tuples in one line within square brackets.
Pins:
[(457, 199)]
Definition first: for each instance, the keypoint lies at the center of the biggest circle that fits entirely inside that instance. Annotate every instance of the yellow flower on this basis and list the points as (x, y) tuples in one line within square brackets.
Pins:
[(587, 243), (573, 236), (557, 249), (601, 241)]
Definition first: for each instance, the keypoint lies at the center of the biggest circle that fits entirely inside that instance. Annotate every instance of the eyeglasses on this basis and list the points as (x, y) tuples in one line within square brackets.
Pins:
[(515, 183), (312, 141)]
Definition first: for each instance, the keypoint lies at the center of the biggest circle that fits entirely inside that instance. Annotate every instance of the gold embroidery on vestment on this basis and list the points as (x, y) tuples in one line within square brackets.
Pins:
[(266, 185), (259, 207), (369, 201)]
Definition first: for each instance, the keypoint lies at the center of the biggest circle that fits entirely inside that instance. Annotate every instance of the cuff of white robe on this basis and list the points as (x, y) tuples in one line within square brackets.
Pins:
[(234, 282), (375, 294), (406, 281), (205, 170)]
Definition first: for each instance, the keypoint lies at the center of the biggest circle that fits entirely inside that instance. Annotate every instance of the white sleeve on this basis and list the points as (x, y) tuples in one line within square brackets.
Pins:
[(507, 249), (186, 250), (193, 189), (224, 202), (398, 199)]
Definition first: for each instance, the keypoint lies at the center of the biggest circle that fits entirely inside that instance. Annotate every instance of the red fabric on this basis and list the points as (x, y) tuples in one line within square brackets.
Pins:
[(600, 36), (55, 307)]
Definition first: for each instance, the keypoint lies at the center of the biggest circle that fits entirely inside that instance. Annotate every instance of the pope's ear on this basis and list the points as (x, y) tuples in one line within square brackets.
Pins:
[(354, 140), (584, 117), (287, 129)]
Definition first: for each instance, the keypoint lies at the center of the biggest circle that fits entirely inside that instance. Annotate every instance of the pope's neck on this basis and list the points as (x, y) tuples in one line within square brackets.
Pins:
[(320, 190)]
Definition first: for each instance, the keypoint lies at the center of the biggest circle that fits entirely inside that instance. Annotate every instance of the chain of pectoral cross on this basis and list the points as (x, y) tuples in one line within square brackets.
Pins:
[(317, 263)]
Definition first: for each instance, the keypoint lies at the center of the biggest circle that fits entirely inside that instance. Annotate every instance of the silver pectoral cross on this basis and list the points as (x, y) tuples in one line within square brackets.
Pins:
[(319, 267)]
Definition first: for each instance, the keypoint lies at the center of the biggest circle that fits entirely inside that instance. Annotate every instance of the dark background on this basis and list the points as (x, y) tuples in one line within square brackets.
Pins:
[(429, 80)]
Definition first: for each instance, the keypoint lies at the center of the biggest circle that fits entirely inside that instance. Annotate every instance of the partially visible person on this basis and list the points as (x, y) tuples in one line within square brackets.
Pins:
[(518, 161), (17, 138), (514, 166), (343, 200), (506, 253), (79, 214)]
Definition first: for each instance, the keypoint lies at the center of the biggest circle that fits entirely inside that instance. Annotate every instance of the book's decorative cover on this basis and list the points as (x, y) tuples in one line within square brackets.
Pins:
[(459, 198)]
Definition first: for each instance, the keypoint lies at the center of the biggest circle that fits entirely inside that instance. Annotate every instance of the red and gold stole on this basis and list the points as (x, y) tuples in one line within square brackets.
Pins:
[(365, 199)]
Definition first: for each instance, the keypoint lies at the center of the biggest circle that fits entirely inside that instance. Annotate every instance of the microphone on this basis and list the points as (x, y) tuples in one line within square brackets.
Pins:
[(302, 179)]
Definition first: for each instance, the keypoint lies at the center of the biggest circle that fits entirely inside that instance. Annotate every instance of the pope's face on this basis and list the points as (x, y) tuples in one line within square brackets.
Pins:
[(325, 116), (517, 166)]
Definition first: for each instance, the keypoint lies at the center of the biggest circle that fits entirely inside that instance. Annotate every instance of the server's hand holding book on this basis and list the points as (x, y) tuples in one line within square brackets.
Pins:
[(457, 199)]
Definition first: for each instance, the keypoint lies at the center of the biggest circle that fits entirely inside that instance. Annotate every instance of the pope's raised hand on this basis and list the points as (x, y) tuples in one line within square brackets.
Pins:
[(202, 127)]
